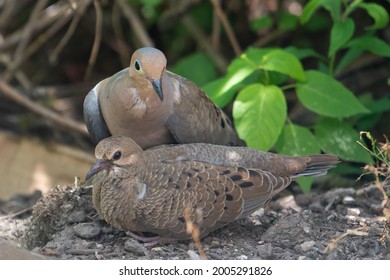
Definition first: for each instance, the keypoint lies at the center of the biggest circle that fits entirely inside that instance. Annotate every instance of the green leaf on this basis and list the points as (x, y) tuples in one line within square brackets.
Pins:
[(309, 10), (333, 6), (302, 53), (254, 56), (305, 183), (378, 13), (340, 138), (297, 140), (327, 97), (347, 59), (371, 44), (283, 62), (261, 22), (222, 91), (259, 113), (150, 2), (287, 21), (376, 105), (340, 34), (206, 71)]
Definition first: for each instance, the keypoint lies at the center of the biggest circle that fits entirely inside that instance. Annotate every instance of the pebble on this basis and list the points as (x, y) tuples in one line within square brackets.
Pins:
[(77, 217), (242, 257), (193, 255), (87, 230), (353, 211), (265, 251), (134, 247), (316, 207), (307, 245), (347, 200)]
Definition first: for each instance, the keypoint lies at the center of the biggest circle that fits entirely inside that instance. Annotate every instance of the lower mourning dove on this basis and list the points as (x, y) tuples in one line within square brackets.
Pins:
[(154, 106), (149, 191)]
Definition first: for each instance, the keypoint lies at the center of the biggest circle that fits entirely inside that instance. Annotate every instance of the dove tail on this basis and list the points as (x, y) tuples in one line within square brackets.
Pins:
[(318, 165)]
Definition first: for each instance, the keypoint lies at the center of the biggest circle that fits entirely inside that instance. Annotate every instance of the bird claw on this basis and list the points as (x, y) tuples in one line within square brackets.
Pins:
[(149, 241)]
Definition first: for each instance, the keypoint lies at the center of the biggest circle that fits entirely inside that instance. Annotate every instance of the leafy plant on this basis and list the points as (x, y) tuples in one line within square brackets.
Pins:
[(263, 78), (381, 170)]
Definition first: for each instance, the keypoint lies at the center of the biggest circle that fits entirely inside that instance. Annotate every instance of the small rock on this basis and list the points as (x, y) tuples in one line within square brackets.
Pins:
[(265, 251), (77, 217), (219, 251), (307, 245), (376, 207), (316, 207), (306, 229), (87, 230), (347, 200), (156, 249), (353, 211), (242, 257), (193, 255), (134, 247)]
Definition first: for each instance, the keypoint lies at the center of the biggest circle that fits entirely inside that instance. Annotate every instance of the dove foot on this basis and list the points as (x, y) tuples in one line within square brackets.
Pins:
[(150, 241)]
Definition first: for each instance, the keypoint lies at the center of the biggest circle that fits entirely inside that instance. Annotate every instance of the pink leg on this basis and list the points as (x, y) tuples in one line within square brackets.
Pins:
[(150, 241)]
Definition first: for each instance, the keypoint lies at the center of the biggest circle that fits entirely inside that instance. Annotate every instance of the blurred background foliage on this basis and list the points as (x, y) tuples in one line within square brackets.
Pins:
[(297, 77)]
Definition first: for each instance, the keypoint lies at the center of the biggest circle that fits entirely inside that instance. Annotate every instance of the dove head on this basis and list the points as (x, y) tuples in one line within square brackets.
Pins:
[(115, 151), (149, 63)]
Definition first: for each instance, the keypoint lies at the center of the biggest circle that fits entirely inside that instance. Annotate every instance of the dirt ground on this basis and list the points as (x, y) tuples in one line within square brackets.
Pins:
[(337, 224)]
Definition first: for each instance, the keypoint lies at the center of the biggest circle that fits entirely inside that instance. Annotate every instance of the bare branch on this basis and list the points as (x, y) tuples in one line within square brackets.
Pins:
[(78, 13), (136, 23), (62, 121), (97, 40), (203, 42), (228, 28)]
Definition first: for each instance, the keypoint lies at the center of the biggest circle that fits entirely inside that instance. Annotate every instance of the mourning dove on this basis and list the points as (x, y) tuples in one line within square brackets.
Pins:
[(154, 106), (149, 191)]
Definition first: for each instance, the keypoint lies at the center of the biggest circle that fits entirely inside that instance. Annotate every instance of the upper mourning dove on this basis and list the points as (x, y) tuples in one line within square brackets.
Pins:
[(149, 191), (154, 106)]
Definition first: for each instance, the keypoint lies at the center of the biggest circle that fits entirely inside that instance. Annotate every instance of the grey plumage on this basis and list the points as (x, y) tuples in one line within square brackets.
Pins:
[(154, 106)]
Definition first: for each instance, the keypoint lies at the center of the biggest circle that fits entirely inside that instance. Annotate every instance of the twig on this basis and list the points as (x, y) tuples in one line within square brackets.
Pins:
[(37, 44), (122, 48), (56, 91), (62, 121), (136, 23), (46, 18), (9, 216), (193, 229), (97, 40), (72, 28), (7, 12), (29, 29), (20, 76), (270, 37), (203, 42), (216, 32), (362, 231), (169, 17), (228, 28)]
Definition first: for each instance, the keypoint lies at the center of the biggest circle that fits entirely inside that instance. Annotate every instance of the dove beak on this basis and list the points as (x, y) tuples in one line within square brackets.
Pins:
[(157, 87), (97, 167)]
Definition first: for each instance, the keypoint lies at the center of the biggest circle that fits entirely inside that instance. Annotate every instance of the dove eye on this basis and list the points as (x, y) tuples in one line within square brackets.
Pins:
[(137, 65), (117, 155)]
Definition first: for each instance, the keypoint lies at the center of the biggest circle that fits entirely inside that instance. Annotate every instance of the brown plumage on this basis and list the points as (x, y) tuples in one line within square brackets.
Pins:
[(154, 106), (148, 191)]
